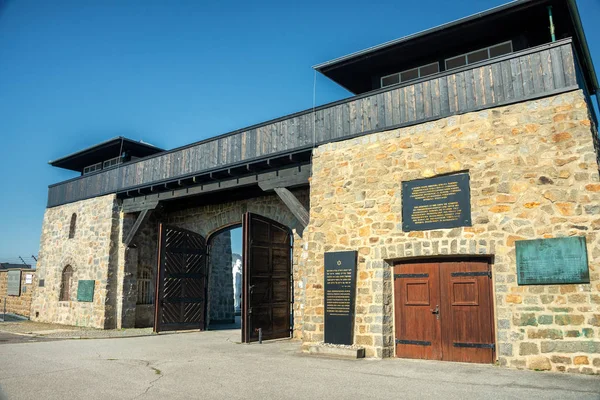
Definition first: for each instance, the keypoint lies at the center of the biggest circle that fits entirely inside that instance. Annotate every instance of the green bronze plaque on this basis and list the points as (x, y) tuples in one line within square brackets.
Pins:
[(552, 261), (85, 291)]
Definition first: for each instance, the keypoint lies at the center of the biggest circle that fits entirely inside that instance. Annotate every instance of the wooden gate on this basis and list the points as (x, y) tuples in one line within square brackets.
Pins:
[(444, 311), (267, 279), (182, 280)]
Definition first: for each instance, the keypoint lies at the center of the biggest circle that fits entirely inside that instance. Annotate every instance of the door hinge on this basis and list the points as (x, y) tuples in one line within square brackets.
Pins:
[(403, 276), (415, 342), (476, 345), (478, 273)]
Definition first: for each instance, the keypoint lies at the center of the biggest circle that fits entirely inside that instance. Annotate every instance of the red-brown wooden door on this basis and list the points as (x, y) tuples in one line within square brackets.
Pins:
[(444, 311), (466, 312), (418, 328), (267, 292)]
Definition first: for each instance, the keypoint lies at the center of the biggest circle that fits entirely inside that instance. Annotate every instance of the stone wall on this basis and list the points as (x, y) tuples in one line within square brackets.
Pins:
[(92, 253), (220, 288), (533, 174), (20, 305)]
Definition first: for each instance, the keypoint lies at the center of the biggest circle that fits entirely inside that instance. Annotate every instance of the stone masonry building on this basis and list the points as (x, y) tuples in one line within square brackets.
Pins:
[(463, 173)]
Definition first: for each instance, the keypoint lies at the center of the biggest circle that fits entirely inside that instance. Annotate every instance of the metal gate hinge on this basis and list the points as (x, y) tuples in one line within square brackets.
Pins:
[(415, 342), (476, 345)]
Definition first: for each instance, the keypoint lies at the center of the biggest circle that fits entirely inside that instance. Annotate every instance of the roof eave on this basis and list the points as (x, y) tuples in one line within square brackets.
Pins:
[(96, 146), (581, 39), (356, 55)]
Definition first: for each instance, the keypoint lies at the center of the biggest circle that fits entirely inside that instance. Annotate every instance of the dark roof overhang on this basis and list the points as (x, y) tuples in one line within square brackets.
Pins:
[(104, 151), (353, 71)]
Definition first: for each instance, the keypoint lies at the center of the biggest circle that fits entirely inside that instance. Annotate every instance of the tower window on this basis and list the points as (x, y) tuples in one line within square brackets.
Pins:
[(73, 226)]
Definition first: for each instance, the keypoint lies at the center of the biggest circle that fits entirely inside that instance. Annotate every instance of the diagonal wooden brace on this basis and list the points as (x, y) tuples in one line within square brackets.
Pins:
[(293, 204), (145, 214)]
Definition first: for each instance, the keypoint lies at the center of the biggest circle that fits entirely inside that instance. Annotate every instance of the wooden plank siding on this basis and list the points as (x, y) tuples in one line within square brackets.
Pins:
[(532, 73)]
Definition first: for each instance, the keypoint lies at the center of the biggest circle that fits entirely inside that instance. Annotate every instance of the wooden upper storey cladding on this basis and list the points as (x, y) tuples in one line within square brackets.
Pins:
[(536, 72)]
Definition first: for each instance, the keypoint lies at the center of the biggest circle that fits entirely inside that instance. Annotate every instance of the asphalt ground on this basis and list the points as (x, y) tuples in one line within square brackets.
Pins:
[(212, 365)]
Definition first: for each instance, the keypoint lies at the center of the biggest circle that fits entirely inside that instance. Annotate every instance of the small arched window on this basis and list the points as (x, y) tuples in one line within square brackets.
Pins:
[(65, 285), (72, 226)]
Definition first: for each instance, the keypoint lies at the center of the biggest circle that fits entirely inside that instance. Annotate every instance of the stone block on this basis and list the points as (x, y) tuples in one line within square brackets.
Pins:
[(544, 334), (526, 349), (588, 332), (364, 340), (561, 360), (525, 319), (581, 360), (539, 363), (514, 299), (348, 352), (569, 319), (505, 349), (564, 346)]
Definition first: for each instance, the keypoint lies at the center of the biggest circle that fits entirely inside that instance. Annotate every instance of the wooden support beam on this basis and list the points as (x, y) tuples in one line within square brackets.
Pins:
[(136, 226), (294, 205), (138, 204), (286, 178)]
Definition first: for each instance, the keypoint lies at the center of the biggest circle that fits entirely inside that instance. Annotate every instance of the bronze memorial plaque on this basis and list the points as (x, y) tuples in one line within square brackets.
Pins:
[(340, 293), (436, 203), (85, 290), (552, 261)]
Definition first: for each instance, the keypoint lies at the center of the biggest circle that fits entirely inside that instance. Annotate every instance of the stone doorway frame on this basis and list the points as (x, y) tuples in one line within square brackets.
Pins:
[(209, 239), (489, 258)]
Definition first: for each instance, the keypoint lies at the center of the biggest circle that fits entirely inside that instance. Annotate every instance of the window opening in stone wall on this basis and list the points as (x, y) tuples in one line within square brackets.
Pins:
[(65, 285), (144, 286), (72, 226)]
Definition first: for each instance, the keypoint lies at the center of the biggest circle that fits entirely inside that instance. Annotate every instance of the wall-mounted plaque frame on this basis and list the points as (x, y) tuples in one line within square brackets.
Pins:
[(340, 296), (552, 261), (85, 290), (436, 203), (14, 283)]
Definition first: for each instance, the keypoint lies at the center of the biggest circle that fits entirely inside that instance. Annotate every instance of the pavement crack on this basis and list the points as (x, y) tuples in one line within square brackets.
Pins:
[(152, 382)]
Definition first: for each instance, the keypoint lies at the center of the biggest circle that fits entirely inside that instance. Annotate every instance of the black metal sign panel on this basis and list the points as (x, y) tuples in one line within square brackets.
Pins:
[(552, 261), (436, 203), (340, 293)]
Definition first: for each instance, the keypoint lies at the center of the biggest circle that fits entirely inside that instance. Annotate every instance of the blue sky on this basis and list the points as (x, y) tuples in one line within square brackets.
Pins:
[(75, 73)]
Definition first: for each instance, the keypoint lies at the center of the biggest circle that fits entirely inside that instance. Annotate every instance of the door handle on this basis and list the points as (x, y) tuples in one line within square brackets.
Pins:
[(436, 311)]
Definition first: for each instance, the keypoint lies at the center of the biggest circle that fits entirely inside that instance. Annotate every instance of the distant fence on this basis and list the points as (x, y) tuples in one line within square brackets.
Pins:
[(16, 296)]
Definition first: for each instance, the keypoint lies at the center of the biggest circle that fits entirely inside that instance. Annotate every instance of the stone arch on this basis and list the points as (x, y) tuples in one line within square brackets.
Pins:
[(210, 219), (71, 262)]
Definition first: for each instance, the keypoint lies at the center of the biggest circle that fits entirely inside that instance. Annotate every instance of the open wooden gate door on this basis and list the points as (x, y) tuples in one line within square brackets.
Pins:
[(181, 280), (267, 279)]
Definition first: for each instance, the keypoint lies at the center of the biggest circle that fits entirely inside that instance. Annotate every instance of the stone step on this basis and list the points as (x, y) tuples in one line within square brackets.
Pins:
[(327, 350)]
